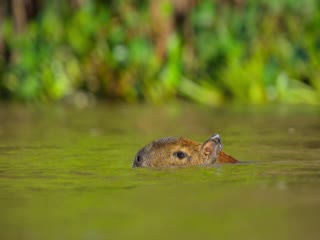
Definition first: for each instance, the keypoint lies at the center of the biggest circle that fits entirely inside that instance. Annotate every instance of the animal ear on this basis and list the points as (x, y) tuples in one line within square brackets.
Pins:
[(211, 148)]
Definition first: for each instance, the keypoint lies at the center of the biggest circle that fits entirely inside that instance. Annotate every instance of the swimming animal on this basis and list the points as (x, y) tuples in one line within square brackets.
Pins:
[(173, 151)]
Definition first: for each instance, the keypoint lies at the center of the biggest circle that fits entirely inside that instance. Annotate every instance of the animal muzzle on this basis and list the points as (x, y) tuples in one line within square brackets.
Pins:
[(139, 160)]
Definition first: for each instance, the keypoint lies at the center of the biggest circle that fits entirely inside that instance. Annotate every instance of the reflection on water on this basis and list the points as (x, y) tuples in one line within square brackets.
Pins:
[(66, 174)]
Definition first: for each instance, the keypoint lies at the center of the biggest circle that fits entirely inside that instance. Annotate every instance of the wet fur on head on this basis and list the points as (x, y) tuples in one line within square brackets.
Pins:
[(174, 151)]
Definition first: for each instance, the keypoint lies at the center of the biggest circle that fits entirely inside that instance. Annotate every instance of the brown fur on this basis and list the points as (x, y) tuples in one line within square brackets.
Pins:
[(225, 158), (163, 153)]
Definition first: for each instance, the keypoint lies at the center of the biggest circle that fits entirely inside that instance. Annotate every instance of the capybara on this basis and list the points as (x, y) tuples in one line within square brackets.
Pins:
[(173, 151)]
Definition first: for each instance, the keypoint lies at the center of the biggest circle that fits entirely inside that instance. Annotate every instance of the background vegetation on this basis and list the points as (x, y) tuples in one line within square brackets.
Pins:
[(208, 51)]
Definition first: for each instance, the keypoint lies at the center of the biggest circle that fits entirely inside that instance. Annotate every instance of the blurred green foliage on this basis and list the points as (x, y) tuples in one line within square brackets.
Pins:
[(263, 51)]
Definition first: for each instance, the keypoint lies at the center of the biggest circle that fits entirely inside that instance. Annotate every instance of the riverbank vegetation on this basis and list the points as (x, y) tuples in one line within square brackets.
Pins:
[(211, 52)]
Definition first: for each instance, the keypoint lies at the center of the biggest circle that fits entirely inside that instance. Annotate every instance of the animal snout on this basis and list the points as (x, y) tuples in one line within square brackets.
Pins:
[(138, 160)]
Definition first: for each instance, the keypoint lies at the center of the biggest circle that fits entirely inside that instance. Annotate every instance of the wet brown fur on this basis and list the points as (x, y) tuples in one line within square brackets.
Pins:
[(160, 153)]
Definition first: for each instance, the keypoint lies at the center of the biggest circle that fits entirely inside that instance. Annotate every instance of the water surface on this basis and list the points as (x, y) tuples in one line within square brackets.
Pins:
[(66, 173)]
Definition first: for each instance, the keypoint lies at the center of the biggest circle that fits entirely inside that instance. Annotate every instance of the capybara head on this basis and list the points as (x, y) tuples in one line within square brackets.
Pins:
[(172, 151)]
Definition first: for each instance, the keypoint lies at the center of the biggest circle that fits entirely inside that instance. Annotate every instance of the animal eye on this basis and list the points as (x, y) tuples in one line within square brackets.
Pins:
[(180, 154)]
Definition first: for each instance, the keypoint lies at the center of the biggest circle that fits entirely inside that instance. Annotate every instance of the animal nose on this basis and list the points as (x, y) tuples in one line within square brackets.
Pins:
[(138, 160)]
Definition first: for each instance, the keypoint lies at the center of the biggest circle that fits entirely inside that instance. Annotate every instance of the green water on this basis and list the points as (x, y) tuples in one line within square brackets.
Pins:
[(66, 173)]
